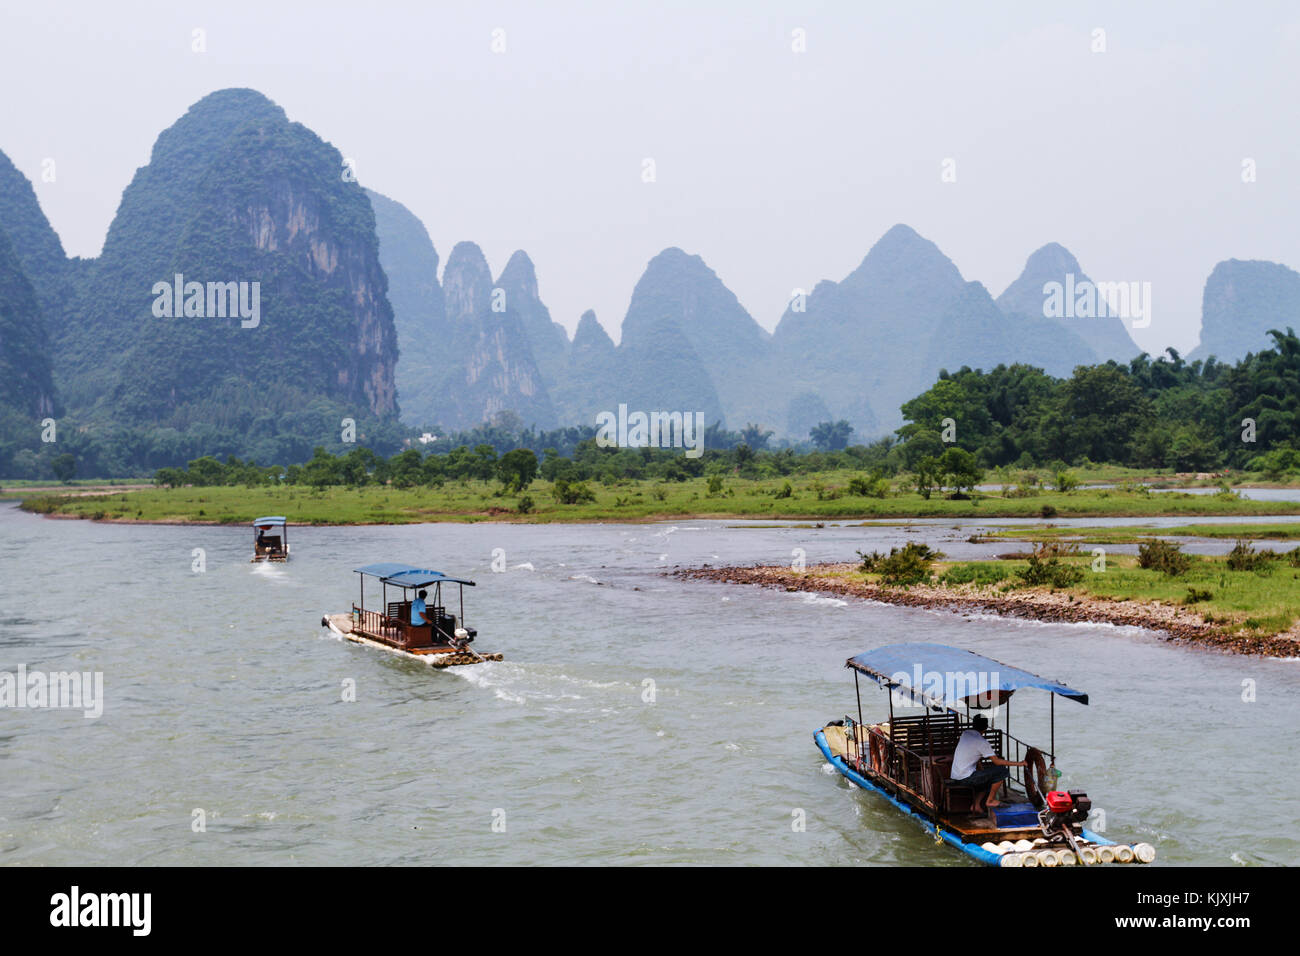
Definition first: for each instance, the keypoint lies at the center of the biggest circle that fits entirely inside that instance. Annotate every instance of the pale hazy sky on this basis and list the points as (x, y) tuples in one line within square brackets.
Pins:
[(779, 168)]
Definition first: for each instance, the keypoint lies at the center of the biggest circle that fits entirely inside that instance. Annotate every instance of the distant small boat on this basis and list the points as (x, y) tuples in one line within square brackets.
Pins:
[(444, 641), (271, 541), (907, 759)]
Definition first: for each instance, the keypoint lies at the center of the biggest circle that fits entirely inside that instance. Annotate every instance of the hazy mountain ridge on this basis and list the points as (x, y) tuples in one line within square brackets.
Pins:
[(1107, 337), (354, 318), (492, 365), (855, 349), (1243, 299), (591, 381), (547, 339)]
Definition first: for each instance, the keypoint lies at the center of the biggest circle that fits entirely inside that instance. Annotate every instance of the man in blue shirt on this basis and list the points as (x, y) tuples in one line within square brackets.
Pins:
[(418, 612)]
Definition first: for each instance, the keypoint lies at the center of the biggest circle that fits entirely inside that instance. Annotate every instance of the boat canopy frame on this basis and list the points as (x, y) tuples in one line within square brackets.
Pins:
[(409, 577), (884, 665)]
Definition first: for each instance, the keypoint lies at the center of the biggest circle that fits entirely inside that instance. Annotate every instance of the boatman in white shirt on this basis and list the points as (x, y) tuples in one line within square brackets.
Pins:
[(966, 771)]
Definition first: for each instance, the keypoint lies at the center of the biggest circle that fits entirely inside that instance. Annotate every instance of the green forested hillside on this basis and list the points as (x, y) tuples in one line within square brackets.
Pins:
[(26, 385), (33, 241), (271, 209), (233, 193)]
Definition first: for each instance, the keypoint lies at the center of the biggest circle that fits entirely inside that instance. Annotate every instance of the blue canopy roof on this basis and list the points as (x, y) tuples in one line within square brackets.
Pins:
[(274, 519), (407, 576), (936, 673)]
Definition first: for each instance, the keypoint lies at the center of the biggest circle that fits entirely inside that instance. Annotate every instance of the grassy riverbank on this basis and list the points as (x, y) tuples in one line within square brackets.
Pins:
[(1274, 531), (1265, 602), (21, 490), (812, 497), (1250, 612)]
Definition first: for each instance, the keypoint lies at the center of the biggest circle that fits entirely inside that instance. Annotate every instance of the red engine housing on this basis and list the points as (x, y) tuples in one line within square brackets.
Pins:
[(1058, 801)]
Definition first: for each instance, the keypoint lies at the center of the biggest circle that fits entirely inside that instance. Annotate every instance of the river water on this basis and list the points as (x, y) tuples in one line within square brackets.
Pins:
[(637, 719)]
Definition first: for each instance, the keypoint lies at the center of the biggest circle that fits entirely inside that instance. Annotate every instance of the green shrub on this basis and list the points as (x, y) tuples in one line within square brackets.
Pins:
[(869, 486), (572, 493), (1161, 555), (1047, 566), (1243, 557), (909, 564), (1065, 481), (525, 505), (1195, 596)]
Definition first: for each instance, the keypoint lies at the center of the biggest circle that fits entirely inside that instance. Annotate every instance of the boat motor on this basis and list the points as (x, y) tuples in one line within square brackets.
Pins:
[(1064, 810)]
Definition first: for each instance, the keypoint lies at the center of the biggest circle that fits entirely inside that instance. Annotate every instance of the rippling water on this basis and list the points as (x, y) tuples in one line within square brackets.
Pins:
[(225, 695)]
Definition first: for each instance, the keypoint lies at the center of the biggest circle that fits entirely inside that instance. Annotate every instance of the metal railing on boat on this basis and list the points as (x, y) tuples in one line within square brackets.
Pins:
[(910, 768), (375, 623)]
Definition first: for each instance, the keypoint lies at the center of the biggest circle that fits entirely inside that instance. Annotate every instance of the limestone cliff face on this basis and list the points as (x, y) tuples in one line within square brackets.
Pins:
[(466, 285), (235, 192), (496, 370), (419, 311), (547, 340), (290, 223), (860, 344)]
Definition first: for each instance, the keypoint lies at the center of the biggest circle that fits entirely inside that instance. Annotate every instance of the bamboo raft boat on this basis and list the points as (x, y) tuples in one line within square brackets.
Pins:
[(907, 759), (268, 545), (424, 631)]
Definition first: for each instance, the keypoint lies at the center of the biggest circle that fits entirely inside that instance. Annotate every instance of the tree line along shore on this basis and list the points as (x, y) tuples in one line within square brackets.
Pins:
[(834, 495)]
